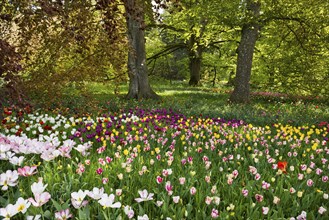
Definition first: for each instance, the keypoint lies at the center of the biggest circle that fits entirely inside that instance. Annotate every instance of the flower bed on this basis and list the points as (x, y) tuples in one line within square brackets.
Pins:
[(156, 164)]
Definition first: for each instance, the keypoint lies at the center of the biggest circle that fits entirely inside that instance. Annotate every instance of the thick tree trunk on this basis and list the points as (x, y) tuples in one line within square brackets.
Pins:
[(139, 87), (195, 59), (195, 67), (249, 35)]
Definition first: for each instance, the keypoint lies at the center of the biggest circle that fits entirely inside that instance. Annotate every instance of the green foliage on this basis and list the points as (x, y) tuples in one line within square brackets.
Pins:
[(161, 60), (291, 53), (67, 44)]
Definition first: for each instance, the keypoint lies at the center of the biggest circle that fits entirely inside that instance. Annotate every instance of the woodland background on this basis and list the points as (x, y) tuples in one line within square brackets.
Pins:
[(53, 47)]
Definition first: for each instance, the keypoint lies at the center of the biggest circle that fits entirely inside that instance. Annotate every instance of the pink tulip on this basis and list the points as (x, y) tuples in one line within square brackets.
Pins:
[(182, 180), (245, 192), (63, 214), (40, 199), (259, 198), (169, 188), (193, 190), (309, 182), (99, 171), (214, 213), (159, 179)]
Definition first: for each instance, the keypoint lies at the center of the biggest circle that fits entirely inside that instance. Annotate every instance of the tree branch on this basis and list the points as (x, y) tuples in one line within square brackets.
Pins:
[(164, 26), (273, 18), (167, 50)]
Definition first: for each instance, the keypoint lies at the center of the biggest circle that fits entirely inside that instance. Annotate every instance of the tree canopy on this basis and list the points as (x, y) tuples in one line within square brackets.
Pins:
[(48, 45)]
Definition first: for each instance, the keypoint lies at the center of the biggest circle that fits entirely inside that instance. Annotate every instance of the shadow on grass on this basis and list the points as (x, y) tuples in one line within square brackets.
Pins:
[(194, 101)]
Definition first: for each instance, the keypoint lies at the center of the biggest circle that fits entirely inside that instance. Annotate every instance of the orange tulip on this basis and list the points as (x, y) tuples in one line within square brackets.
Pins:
[(282, 166)]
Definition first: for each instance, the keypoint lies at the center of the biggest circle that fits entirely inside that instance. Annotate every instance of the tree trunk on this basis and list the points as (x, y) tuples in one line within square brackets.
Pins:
[(215, 76), (195, 59), (139, 86), (271, 78), (249, 35), (231, 79), (195, 67)]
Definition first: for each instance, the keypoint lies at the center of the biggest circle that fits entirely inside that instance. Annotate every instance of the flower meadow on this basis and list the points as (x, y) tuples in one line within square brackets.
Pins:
[(160, 164)]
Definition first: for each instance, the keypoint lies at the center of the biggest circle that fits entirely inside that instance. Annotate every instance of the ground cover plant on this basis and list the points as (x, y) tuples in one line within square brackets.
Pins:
[(160, 164)]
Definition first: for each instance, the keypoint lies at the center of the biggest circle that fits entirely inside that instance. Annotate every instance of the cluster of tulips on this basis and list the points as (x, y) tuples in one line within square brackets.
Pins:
[(158, 164)]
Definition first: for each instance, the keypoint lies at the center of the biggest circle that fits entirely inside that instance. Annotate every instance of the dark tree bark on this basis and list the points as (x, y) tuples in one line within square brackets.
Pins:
[(195, 54), (249, 35), (195, 59), (195, 67), (139, 87), (215, 76)]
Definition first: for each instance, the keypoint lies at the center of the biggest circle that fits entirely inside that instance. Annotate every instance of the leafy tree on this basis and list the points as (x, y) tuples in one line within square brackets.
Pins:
[(65, 42), (189, 26), (292, 50), (292, 45), (70, 42), (9, 68), (10, 59), (50, 45)]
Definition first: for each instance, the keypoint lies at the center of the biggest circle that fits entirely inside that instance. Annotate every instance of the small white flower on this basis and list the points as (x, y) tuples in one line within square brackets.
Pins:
[(38, 187), (265, 210), (30, 217), (276, 200), (9, 211), (8, 179), (322, 210), (129, 212), (22, 205), (159, 203), (144, 217), (96, 193), (77, 198), (176, 199), (107, 201), (302, 216), (144, 196), (216, 200)]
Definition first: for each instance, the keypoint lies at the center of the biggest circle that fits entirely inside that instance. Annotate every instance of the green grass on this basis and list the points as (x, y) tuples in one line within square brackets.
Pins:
[(208, 101)]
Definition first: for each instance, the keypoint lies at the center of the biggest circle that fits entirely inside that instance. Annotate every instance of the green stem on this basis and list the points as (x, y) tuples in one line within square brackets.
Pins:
[(42, 213)]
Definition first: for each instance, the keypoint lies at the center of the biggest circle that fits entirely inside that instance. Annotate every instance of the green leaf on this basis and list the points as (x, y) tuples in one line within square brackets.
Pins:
[(66, 205), (47, 214), (105, 215), (57, 205), (84, 213), (141, 210)]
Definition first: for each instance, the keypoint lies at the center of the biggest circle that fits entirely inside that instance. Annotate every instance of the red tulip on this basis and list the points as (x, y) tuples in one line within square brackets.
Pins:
[(282, 166)]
